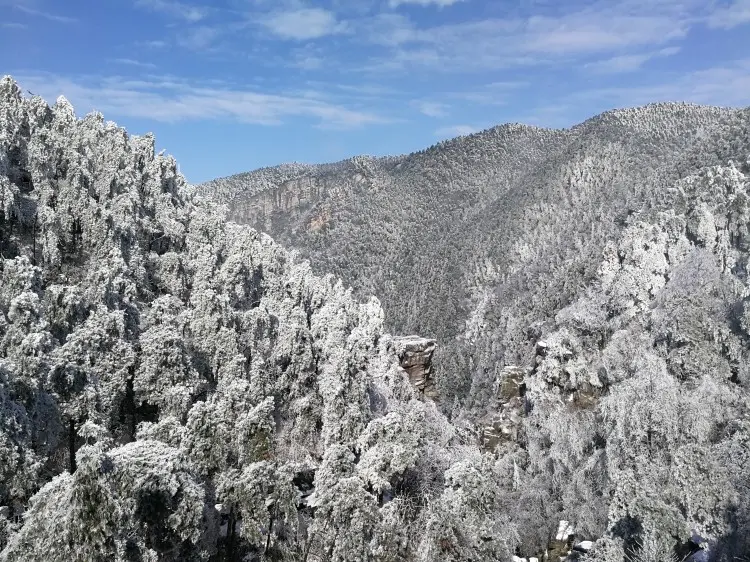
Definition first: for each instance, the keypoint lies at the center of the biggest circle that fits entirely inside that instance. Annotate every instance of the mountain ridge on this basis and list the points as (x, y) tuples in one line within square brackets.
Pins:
[(176, 386), (481, 176), (296, 167)]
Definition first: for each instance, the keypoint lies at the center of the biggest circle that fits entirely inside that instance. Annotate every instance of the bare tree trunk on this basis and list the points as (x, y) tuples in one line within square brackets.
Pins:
[(230, 536), (308, 546), (2, 228), (72, 445), (130, 415), (33, 243), (268, 534)]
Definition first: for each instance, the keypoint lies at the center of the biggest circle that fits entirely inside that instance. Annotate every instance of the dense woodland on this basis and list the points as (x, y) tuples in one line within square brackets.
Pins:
[(495, 242), (479, 241), (175, 386)]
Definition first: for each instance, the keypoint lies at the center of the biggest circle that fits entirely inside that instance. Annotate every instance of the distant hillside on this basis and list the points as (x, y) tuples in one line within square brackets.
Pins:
[(485, 237), (177, 387), (589, 292)]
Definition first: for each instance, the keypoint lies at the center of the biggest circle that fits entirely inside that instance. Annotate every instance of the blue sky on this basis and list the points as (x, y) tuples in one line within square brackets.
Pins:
[(234, 85)]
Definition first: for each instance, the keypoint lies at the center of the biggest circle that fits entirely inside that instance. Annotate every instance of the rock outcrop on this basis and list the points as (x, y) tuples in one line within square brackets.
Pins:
[(564, 547), (290, 198), (504, 420), (305, 196), (415, 354)]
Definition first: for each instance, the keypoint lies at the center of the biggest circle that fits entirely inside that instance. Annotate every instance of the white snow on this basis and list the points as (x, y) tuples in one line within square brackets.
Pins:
[(564, 530)]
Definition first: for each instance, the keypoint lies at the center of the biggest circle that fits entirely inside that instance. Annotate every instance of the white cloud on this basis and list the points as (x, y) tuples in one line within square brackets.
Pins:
[(308, 62), (668, 51), (387, 29), (722, 85), (303, 24), (44, 15), (494, 43), (628, 63), (306, 57), (371, 90), (169, 99), (13, 25), (586, 32), (440, 3), (621, 63), (188, 12), (133, 62), (430, 108), (199, 38), (155, 44), (494, 93), (725, 85), (455, 131), (548, 116), (729, 16)]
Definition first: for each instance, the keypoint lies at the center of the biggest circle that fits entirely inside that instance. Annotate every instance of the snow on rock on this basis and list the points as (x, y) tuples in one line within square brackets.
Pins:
[(564, 531), (505, 418), (415, 355)]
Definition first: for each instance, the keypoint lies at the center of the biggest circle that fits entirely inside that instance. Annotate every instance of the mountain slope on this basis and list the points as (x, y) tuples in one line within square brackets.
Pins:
[(589, 292), (483, 236), (176, 388)]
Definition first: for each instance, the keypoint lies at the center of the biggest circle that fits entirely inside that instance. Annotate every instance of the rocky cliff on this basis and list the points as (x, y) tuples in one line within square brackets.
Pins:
[(177, 387), (415, 356), (478, 241), (174, 386), (586, 289)]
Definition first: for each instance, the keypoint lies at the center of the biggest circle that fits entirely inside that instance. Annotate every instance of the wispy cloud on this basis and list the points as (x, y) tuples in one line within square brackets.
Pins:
[(730, 15), (170, 99), (727, 85), (187, 12), (496, 43), (44, 15), (628, 63), (387, 29), (430, 108), (13, 25), (558, 116), (455, 131), (155, 44), (201, 38), (133, 62), (306, 58), (440, 3), (723, 85), (588, 32), (371, 90), (493, 93), (308, 62), (303, 24)]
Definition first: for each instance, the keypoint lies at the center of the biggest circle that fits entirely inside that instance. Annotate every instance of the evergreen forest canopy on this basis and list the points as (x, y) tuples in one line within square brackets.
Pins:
[(175, 386)]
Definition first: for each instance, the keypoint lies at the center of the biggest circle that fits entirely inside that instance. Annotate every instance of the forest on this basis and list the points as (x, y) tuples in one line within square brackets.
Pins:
[(177, 385)]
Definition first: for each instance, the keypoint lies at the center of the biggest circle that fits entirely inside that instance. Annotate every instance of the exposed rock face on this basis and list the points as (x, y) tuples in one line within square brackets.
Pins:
[(305, 198), (503, 422), (290, 198), (361, 221), (415, 354), (509, 383), (151, 350)]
